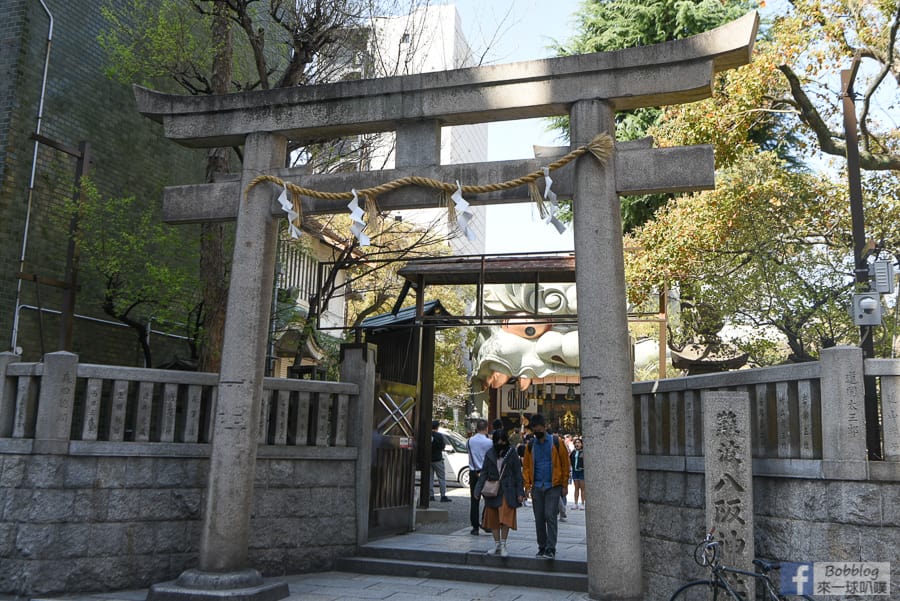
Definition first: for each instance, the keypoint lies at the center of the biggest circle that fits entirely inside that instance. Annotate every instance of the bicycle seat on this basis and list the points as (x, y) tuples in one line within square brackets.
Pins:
[(766, 566)]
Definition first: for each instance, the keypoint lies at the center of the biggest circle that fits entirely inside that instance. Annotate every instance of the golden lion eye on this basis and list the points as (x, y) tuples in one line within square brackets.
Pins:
[(525, 329)]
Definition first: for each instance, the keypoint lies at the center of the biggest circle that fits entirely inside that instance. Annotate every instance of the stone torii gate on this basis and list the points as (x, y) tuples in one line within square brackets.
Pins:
[(590, 89)]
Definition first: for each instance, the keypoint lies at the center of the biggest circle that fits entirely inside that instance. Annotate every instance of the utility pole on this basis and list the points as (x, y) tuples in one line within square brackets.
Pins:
[(866, 342), (71, 274)]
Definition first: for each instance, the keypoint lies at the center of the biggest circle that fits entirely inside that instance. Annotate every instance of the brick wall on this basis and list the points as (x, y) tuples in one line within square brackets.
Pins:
[(75, 524), (131, 157), (11, 30), (13, 12)]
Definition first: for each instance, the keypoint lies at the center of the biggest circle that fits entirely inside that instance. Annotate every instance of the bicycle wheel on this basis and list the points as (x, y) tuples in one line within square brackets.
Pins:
[(702, 590)]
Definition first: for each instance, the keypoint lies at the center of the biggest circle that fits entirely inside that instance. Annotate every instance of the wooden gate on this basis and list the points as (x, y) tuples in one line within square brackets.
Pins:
[(391, 503)]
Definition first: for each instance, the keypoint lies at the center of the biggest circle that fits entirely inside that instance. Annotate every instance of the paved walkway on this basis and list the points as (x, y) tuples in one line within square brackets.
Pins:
[(571, 540), (344, 586)]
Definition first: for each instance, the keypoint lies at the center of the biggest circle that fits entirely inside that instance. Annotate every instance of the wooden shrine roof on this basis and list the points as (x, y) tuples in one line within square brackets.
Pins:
[(511, 269)]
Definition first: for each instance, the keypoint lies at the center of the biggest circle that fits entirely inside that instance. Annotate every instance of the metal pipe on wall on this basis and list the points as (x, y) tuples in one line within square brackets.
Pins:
[(107, 322), (40, 117)]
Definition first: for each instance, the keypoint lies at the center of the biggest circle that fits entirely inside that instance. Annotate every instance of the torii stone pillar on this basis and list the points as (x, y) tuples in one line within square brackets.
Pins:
[(225, 532), (591, 88), (613, 534)]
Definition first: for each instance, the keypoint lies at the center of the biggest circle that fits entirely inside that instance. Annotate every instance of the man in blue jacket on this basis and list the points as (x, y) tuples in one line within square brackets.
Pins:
[(545, 469)]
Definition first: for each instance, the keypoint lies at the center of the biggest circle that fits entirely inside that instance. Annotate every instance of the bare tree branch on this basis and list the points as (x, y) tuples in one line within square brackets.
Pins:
[(828, 140)]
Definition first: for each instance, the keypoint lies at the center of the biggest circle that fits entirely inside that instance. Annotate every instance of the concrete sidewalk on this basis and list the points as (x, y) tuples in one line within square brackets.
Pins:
[(344, 586), (347, 586)]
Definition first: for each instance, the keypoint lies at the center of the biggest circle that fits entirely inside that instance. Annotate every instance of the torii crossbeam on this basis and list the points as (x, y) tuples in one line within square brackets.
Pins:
[(589, 89)]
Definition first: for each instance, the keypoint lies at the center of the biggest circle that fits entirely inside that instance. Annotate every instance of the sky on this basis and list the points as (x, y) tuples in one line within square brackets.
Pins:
[(520, 30), (512, 31)]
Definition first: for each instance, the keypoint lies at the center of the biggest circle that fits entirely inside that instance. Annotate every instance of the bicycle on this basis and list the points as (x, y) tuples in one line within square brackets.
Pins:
[(708, 555)]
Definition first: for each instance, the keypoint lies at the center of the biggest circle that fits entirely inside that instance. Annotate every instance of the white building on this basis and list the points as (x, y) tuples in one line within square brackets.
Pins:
[(430, 39)]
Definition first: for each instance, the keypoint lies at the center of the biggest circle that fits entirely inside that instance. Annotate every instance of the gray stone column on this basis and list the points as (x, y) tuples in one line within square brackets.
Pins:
[(358, 366), (613, 534), (843, 413), (229, 494), (728, 473), (56, 402), (7, 395), (223, 574)]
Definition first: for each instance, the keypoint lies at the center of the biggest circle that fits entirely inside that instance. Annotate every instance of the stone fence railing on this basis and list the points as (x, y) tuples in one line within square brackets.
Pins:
[(785, 403), (59, 404), (808, 419)]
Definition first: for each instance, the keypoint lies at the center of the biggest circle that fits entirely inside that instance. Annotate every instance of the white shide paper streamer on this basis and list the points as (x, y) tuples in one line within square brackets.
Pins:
[(358, 225), (288, 207), (550, 197), (464, 215)]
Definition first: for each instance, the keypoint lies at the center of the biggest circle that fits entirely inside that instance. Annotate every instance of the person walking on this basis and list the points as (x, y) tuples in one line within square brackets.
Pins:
[(438, 442), (545, 469), (563, 501), (520, 449), (501, 463), (478, 445), (576, 458)]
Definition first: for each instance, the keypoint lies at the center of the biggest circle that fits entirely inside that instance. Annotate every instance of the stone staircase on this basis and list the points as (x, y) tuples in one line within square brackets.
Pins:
[(468, 566)]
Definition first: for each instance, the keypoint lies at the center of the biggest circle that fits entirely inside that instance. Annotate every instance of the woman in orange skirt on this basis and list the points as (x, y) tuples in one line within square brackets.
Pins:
[(501, 463)]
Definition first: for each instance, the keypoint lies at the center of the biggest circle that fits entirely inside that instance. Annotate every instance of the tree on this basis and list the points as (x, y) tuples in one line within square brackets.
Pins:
[(768, 249), (146, 268), (796, 279), (822, 37), (605, 25), (224, 46), (192, 44), (377, 287)]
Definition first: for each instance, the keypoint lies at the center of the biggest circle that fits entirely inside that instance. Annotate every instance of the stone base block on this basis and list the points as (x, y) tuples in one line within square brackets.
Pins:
[(195, 585)]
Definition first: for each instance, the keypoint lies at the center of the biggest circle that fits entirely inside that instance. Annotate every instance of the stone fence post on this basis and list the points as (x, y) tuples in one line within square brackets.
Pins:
[(7, 395), (56, 403), (843, 414), (358, 367)]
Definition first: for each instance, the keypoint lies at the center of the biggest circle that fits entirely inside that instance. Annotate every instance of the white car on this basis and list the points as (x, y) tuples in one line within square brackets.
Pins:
[(456, 458)]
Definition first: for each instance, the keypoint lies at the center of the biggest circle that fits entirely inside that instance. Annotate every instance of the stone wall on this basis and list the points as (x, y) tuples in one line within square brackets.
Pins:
[(796, 520), (83, 523)]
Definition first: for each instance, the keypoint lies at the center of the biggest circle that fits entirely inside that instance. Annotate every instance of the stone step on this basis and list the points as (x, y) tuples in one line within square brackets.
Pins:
[(470, 567), (473, 558)]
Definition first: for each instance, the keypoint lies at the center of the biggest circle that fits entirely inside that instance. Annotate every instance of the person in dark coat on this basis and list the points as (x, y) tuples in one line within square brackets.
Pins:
[(438, 442), (501, 463)]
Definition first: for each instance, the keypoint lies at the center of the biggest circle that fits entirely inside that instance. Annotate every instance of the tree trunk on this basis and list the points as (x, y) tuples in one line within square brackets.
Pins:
[(138, 327), (214, 286), (213, 260)]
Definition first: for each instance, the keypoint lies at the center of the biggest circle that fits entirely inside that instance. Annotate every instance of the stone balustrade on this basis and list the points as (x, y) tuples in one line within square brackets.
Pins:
[(59, 405), (104, 471), (785, 402), (803, 414), (807, 419)]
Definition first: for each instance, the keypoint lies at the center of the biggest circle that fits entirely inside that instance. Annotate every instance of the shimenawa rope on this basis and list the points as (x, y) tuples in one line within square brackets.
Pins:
[(600, 147)]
